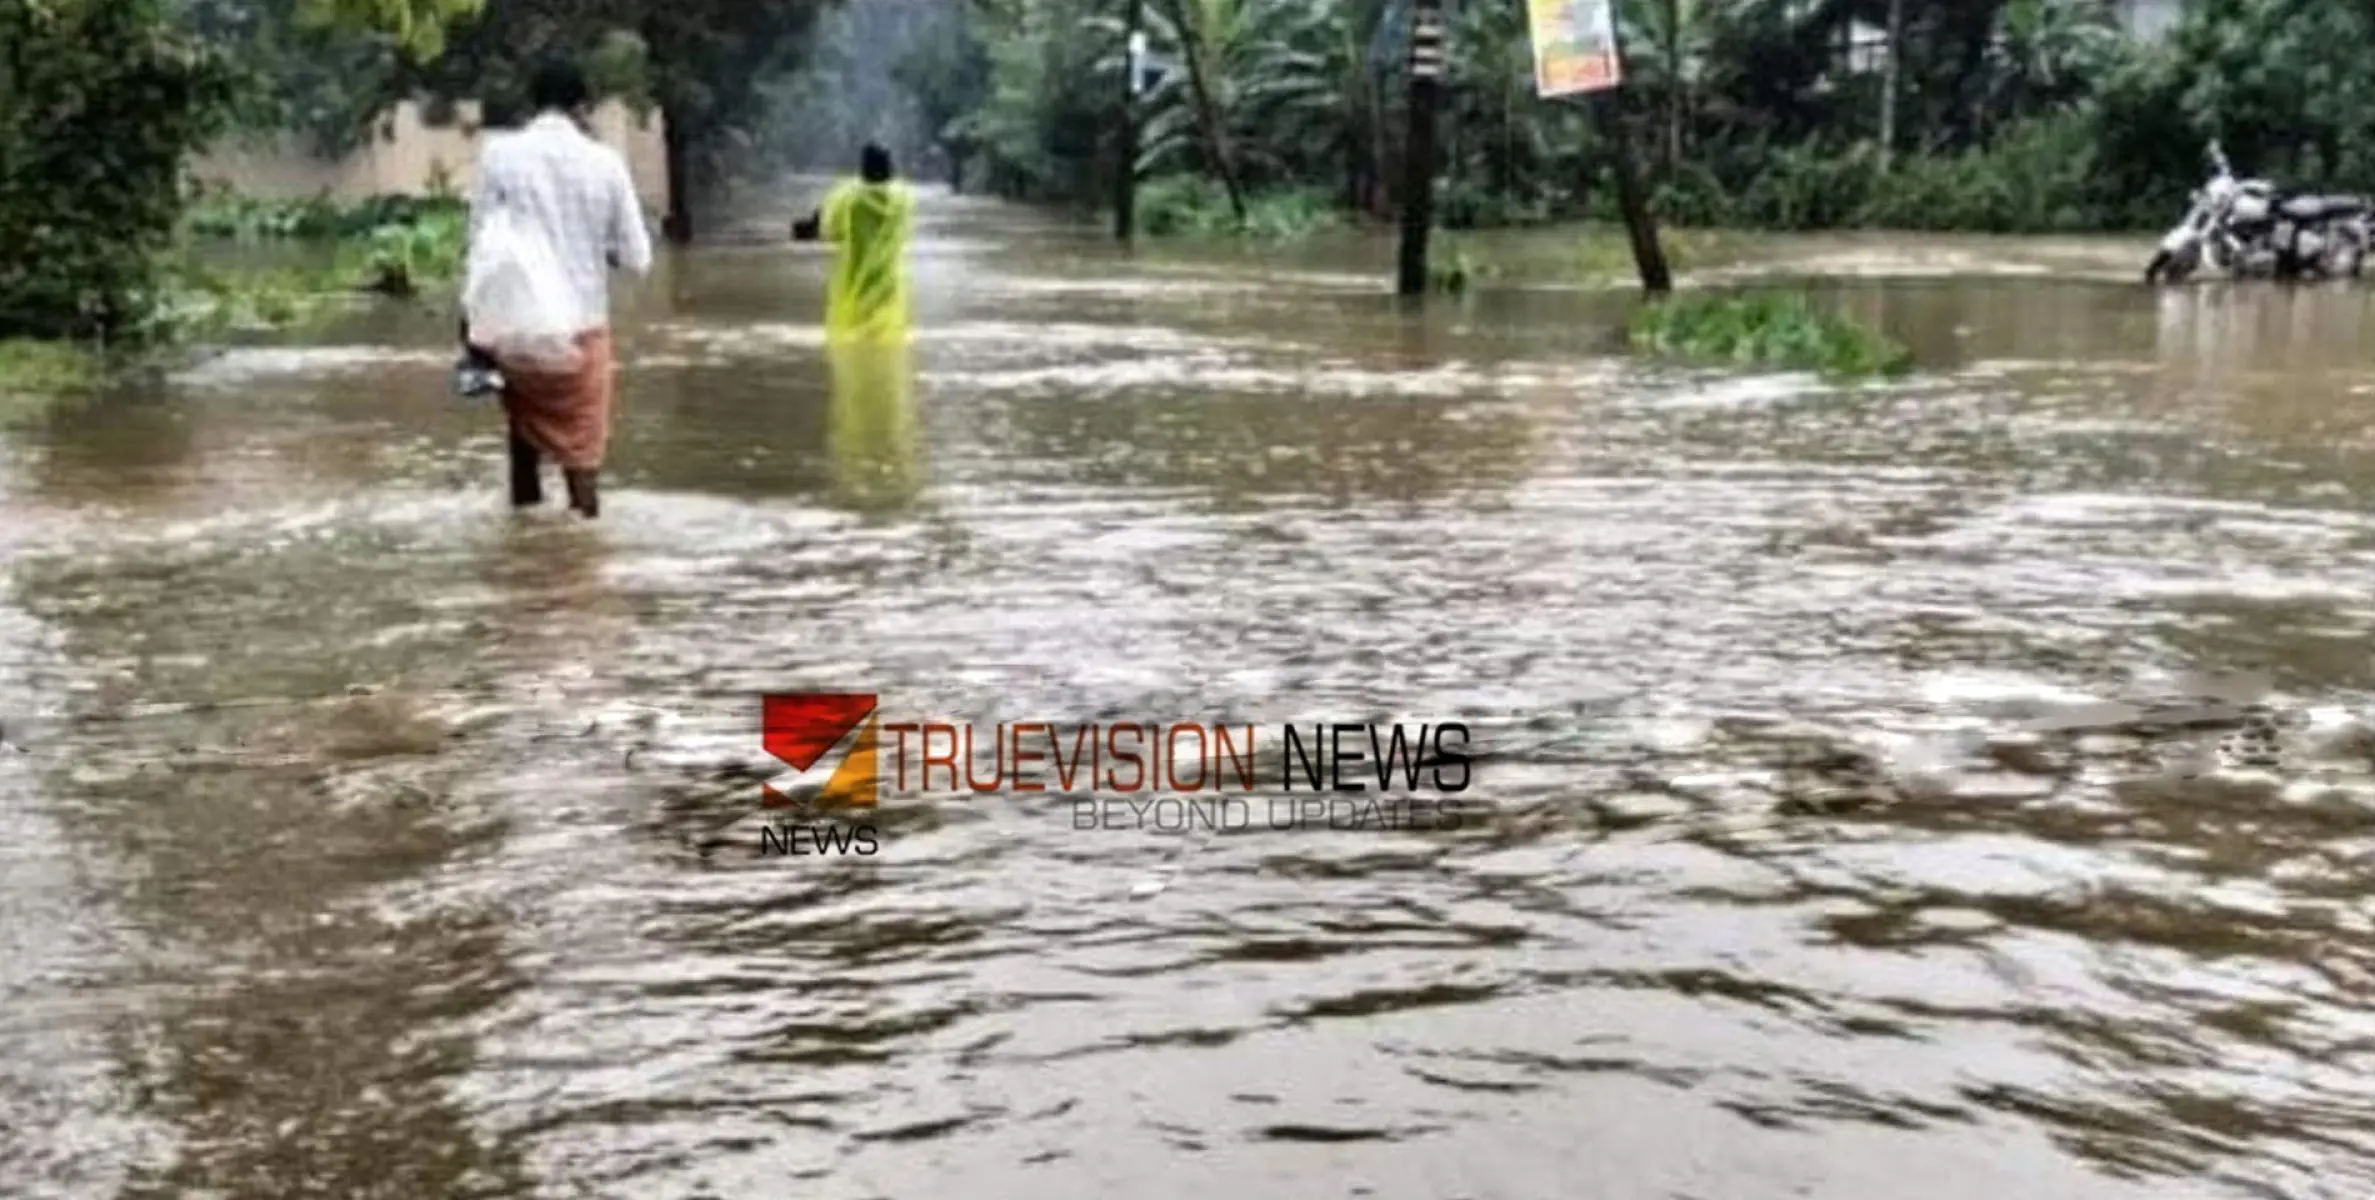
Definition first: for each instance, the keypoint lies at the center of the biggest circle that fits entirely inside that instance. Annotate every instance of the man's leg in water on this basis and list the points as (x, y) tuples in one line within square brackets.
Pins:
[(585, 492), (527, 488)]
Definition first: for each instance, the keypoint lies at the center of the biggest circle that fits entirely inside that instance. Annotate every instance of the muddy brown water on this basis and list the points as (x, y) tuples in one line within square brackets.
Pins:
[(353, 831)]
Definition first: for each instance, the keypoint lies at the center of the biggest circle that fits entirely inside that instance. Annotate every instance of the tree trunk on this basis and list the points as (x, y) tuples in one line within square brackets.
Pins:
[(678, 226), (1216, 139), (1125, 167), (1891, 73), (1649, 255)]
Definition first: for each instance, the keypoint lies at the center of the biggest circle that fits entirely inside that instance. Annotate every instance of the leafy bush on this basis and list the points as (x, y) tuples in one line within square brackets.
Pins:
[(1770, 330), (101, 103)]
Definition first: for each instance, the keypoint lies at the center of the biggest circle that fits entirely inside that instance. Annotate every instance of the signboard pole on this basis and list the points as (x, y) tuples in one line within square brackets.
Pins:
[(1418, 168), (1577, 53), (1649, 257), (1125, 170)]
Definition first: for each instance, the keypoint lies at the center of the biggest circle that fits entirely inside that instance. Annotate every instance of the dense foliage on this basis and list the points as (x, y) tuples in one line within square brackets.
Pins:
[(100, 103), (2009, 115)]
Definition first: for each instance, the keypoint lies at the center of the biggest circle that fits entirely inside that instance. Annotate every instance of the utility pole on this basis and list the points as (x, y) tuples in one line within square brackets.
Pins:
[(1125, 172), (1418, 168)]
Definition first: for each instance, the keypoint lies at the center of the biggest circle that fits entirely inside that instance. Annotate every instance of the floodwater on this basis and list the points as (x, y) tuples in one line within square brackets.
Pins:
[(359, 838)]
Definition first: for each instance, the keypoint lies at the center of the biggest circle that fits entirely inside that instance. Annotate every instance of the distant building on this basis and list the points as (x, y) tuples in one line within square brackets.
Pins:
[(409, 153)]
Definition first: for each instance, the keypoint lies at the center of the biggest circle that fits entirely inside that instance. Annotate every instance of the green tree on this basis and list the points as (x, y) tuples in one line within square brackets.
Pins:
[(325, 83), (2283, 85), (703, 63), (416, 26), (101, 104)]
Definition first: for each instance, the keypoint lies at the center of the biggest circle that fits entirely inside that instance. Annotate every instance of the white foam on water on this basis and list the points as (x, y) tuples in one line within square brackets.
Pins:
[(764, 337), (2255, 584), (1996, 689), (232, 368), (1882, 264), (1741, 391), (1211, 373)]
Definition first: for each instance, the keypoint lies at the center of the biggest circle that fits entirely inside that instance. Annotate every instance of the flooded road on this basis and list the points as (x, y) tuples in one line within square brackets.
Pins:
[(358, 838)]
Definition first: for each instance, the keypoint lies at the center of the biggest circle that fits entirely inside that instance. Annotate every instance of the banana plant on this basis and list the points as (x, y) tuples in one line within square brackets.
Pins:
[(2046, 50), (1209, 35)]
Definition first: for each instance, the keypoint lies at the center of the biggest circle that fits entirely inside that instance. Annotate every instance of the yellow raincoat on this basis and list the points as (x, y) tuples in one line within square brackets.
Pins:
[(868, 225)]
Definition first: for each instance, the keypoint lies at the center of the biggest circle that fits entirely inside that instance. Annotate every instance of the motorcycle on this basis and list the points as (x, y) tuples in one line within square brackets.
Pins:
[(2251, 229)]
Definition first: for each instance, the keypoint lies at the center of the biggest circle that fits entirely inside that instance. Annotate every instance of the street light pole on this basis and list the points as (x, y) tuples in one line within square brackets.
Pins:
[(1418, 168)]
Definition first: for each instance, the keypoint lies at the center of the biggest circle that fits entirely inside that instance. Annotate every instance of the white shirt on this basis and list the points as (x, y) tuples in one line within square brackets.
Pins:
[(575, 189)]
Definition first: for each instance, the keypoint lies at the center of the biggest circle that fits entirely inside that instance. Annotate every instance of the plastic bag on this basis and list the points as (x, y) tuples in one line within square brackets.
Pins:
[(518, 300)]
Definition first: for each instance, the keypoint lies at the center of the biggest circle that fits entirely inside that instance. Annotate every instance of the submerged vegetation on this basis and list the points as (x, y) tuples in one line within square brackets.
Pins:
[(392, 245), (222, 213), (1780, 330), (403, 257)]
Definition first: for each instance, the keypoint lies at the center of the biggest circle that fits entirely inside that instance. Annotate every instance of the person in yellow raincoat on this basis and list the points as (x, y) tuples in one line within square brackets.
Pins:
[(867, 220)]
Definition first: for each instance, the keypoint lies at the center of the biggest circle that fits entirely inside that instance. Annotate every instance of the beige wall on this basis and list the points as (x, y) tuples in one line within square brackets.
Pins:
[(406, 156)]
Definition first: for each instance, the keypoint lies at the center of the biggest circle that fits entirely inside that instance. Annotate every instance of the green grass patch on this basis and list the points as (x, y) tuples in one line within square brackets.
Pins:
[(1778, 330), (47, 368), (1193, 206)]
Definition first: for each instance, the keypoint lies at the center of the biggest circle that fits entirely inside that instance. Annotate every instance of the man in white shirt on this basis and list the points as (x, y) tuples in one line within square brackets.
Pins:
[(558, 180)]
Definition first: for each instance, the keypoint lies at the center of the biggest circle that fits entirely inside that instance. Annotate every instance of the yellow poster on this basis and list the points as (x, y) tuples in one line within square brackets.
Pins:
[(1574, 46)]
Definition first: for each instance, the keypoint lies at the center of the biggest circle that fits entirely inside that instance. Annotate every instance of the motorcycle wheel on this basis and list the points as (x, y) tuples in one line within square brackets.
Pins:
[(2169, 268)]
